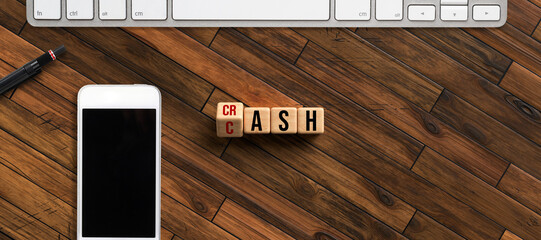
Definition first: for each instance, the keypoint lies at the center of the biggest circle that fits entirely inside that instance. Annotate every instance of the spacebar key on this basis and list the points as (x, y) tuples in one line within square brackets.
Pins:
[(251, 10)]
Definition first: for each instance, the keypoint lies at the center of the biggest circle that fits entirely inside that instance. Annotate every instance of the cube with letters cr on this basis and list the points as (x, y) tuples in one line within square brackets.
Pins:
[(229, 119)]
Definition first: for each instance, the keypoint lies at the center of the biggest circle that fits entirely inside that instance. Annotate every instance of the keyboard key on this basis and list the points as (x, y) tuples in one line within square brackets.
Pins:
[(454, 2), (486, 13), (149, 9), (389, 9), (352, 10), (47, 9), (454, 13), (112, 9), (422, 12), (80, 9), (251, 10)]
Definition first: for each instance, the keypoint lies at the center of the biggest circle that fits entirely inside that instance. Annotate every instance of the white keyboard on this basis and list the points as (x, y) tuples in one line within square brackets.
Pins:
[(267, 13)]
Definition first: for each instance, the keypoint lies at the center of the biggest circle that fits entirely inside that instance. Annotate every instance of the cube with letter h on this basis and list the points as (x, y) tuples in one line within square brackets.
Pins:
[(311, 121), (229, 119)]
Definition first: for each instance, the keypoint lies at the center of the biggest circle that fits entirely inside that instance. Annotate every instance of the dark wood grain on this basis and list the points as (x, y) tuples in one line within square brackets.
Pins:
[(12, 15), (523, 84), (334, 176), (166, 234), (507, 235), (378, 87), (305, 192), (203, 35), (246, 225), (522, 187), (376, 64), (41, 205), (514, 44), (284, 42), (488, 132), (20, 225), (307, 90), (244, 190), (402, 114), (211, 66), (524, 15), (423, 227), (467, 50), (452, 75), (189, 191), (478, 194), (152, 65), (188, 225)]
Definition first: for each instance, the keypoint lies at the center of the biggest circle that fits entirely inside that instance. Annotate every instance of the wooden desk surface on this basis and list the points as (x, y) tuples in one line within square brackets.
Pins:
[(430, 133)]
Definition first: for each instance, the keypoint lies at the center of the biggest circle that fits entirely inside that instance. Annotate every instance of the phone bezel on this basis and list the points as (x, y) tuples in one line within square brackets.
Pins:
[(118, 97)]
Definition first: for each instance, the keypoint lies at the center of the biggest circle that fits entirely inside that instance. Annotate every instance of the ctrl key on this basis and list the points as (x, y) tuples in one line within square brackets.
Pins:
[(47, 9)]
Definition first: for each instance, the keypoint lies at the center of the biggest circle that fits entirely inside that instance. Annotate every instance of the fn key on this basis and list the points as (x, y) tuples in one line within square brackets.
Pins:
[(47, 9)]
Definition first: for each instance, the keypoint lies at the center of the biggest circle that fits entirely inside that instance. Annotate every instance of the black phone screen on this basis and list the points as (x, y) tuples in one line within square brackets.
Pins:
[(119, 173)]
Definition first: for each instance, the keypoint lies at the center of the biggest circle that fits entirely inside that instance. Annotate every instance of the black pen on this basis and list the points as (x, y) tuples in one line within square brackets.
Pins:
[(29, 70)]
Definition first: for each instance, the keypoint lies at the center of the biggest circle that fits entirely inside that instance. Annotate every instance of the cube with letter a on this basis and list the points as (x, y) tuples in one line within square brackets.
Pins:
[(311, 121), (257, 120), (283, 120), (229, 119)]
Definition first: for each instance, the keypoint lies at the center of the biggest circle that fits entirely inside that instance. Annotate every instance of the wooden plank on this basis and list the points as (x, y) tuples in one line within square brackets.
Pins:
[(187, 224), (333, 175), (478, 194), (424, 227), (39, 134), (536, 2), (306, 193), (376, 64), (467, 50), (401, 113), (246, 225), (37, 202), (190, 192), (12, 15), (20, 225), (166, 234), (37, 168), (304, 88), (454, 76), (522, 187), (105, 70), (284, 42), (524, 84), (148, 63), (400, 181), (211, 66), (507, 235), (524, 15), (216, 97), (488, 132), (244, 190), (203, 35), (3, 236), (537, 33), (514, 44)]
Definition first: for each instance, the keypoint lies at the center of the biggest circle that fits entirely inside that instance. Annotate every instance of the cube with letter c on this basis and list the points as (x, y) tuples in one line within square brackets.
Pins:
[(283, 120), (311, 121), (229, 119), (257, 120)]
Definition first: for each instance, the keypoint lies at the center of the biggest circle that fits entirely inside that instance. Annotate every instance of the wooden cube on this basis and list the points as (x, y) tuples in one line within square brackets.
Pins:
[(229, 121), (311, 121), (283, 120), (257, 120)]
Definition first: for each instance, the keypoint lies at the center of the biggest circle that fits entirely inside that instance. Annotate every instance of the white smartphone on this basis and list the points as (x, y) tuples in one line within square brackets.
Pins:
[(118, 162)]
